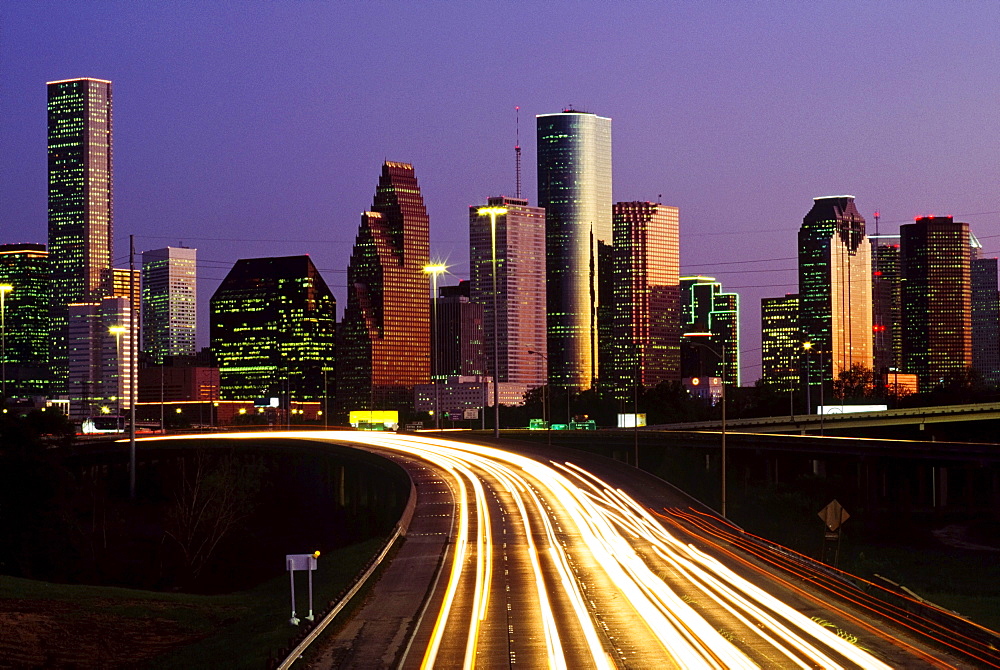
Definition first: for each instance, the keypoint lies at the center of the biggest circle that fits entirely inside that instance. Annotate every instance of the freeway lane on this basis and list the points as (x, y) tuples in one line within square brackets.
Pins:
[(586, 577), (548, 565)]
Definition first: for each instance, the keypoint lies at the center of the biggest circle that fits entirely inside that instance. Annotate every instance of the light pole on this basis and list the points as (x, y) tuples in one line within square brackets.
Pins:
[(4, 290), (434, 270), (118, 331), (493, 213), (722, 359), (807, 346)]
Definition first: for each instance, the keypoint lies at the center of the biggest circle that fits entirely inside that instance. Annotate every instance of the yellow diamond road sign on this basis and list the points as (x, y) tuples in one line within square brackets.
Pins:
[(834, 515)]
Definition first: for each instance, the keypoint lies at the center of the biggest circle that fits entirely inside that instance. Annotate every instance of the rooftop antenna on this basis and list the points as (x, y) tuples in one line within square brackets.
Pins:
[(876, 223), (517, 150)]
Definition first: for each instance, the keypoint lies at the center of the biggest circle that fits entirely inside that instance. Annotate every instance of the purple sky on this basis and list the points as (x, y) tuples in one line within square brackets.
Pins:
[(249, 129)]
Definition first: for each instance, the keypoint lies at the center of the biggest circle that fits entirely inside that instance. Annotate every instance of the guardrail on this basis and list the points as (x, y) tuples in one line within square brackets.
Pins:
[(310, 632)]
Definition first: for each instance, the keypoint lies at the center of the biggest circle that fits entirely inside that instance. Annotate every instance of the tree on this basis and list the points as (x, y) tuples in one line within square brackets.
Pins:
[(215, 493), (855, 383)]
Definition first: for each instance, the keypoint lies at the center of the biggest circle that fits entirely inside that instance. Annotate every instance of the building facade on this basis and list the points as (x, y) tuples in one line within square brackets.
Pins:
[(887, 336), (519, 317), (781, 345), (385, 335), (100, 357), (169, 302), (645, 330), (986, 320), (835, 287), (80, 204), (460, 336), (25, 352), (936, 299), (705, 308), (273, 330), (574, 189)]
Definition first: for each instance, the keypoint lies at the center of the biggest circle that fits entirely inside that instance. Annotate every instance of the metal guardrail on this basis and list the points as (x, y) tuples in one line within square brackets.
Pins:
[(309, 634)]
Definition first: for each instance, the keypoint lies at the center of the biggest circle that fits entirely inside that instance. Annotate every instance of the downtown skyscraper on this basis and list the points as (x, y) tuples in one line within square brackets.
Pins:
[(385, 335), (80, 209), (835, 287), (574, 188), (169, 309), (936, 299), (519, 317), (273, 328), (25, 285), (646, 304)]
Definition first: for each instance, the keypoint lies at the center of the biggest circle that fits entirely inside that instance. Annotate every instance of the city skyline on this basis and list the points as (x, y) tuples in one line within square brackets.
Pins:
[(722, 143)]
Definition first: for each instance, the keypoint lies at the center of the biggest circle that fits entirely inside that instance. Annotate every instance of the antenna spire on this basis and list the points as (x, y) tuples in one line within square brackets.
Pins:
[(517, 150)]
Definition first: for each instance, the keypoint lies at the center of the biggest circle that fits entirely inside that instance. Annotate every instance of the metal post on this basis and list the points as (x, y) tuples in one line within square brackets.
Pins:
[(822, 402), (132, 360), (310, 617), (493, 213), (723, 510), (294, 621), (6, 288)]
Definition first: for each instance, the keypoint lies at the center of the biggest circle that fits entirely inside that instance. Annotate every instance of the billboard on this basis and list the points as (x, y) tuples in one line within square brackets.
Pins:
[(367, 419), (631, 420)]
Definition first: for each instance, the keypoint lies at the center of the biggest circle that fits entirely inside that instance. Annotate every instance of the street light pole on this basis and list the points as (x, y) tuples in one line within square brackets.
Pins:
[(722, 359), (434, 271), (493, 213), (546, 394), (4, 290), (118, 331), (807, 346)]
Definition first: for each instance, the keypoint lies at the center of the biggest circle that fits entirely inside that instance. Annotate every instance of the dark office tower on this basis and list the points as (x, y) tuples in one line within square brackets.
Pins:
[(936, 298), (835, 287), (647, 295), (273, 329), (24, 281), (460, 338), (386, 332), (986, 320), (706, 309), (169, 302), (80, 203), (574, 188), (781, 346), (520, 304), (99, 357), (887, 336)]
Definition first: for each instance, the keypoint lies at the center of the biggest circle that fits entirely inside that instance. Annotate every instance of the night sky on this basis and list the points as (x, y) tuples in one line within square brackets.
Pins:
[(246, 129)]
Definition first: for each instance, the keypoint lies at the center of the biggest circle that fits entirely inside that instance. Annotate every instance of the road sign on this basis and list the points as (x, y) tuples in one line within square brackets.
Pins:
[(834, 515)]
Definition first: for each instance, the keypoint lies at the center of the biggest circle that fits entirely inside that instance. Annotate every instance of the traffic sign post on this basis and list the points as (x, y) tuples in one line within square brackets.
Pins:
[(295, 562), (833, 516)]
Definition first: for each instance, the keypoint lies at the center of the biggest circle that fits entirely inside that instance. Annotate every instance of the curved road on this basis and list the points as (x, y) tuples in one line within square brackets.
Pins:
[(515, 559)]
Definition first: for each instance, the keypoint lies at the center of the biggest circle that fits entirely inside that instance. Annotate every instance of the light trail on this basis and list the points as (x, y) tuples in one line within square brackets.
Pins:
[(600, 569)]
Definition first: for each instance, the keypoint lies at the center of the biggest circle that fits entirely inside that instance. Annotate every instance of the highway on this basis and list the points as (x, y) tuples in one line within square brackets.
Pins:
[(528, 559), (550, 566)]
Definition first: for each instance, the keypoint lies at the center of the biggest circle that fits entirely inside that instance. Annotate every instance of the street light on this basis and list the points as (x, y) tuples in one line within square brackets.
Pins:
[(807, 346), (4, 290), (722, 359), (493, 213), (434, 270), (118, 331)]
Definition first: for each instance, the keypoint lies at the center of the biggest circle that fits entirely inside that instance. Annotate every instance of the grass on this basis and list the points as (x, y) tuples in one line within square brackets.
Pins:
[(238, 630)]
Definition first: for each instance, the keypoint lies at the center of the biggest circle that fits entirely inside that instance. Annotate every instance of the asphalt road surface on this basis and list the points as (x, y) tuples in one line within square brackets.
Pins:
[(528, 559)]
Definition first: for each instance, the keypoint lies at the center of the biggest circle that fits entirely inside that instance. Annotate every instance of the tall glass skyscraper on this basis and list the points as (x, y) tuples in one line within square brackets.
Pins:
[(835, 287), (936, 299), (520, 314), (273, 329), (385, 336), (25, 268), (169, 302), (705, 308), (646, 288), (781, 346), (80, 203), (574, 188)]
